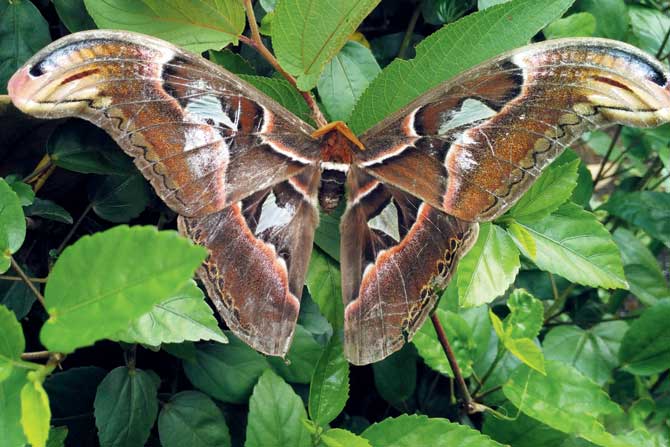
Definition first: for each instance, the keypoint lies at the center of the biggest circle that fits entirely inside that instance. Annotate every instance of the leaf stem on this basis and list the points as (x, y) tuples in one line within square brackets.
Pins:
[(555, 309), (489, 371), (469, 404), (18, 278), (407, 38), (28, 282), (35, 355), (256, 42), (73, 229), (615, 138)]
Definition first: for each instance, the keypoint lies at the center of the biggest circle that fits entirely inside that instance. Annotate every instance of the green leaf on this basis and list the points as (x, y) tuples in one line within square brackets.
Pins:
[(644, 275), (81, 147), (345, 78), (102, 282), (572, 243), (47, 209), (649, 27), (282, 92), (327, 235), (307, 34), (184, 316), (460, 337), (329, 388), (126, 405), (611, 17), (522, 431), (645, 349), (522, 348), (74, 15), (581, 24), (16, 296), (649, 210), (395, 376), (276, 415), (337, 437), (548, 193), (232, 62), (564, 400), (35, 412), (12, 225), (526, 315), (522, 238), (191, 418), (119, 198), (57, 437), (24, 191), (10, 408), (324, 285), (226, 372), (196, 25), (184, 351), (451, 50), (488, 269), (593, 352), (414, 430), (23, 31), (12, 343), (301, 359)]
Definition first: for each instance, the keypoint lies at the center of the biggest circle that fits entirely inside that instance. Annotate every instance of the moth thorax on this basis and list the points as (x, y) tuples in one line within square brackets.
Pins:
[(331, 189)]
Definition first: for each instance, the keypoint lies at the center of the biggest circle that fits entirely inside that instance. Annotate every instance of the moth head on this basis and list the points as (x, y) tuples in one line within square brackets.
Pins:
[(80, 71)]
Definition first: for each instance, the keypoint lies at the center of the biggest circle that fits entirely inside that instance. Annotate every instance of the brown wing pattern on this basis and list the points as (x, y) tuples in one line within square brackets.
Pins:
[(397, 254), (201, 136), (472, 146), (259, 253)]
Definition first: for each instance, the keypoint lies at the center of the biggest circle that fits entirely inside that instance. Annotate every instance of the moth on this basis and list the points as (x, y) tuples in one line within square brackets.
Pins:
[(247, 176)]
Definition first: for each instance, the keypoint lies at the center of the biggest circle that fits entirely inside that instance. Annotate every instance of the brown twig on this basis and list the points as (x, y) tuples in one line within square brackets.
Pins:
[(615, 138), (256, 42), (28, 282), (469, 404), (37, 355), (18, 278), (74, 228)]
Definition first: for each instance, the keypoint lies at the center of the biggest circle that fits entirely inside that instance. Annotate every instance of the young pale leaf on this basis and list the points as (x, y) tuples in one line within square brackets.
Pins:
[(460, 337), (522, 348), (488, 269), (323, 282), (23, 31), (35, 412), (564, 400), (191, 418), (276, 415), (10, 407), (593, 352), (307, 34), (526, 315), (102, 282), (644, 275), (196, 25), (126, 405), (345, 78), (282, 92), (548, 193), (81, 147), (414, 430), (522, 238), (301, 359), (337, 437), (226, 372), (644, 349), (395, 376), (119, 198), (649, 210), (47, 209), (581, 24), (572, 243), (185, 316), (73, 14), (451, 50), (329, 389), (12, 224)]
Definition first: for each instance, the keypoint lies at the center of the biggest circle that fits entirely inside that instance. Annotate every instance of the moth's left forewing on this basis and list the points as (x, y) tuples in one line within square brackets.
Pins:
[(259, 251), (473, 145), (397, 254)]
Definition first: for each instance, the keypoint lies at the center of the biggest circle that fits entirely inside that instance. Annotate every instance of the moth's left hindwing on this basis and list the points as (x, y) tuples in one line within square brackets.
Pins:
[(204, 138), (397, 254)]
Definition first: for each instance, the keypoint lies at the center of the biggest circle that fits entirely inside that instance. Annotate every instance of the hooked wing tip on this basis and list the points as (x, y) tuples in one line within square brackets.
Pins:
[(16, 89)]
